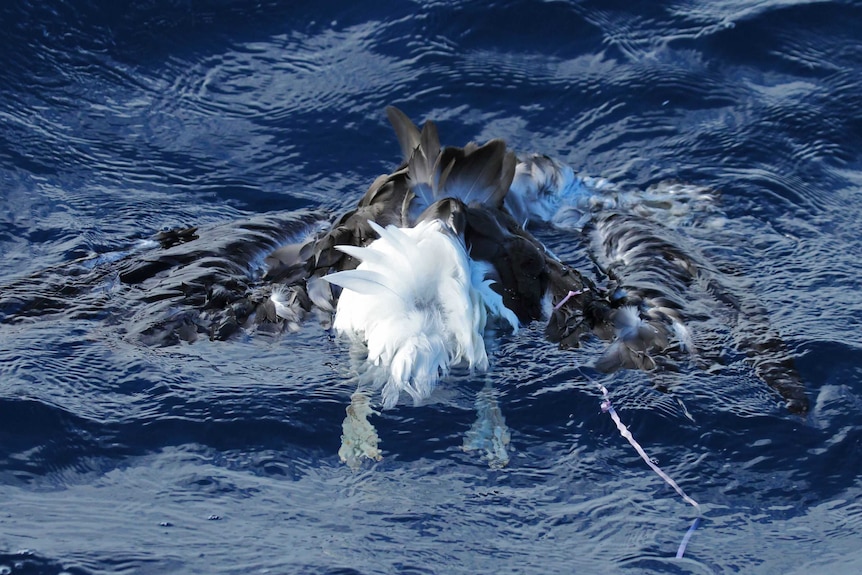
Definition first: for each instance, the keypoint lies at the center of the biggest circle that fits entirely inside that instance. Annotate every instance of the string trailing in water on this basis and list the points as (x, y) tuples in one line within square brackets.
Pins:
[(624, 431)]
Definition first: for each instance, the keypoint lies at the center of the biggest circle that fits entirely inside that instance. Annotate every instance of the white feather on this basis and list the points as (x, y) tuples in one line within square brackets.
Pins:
[(368, 282), (279, 299), (684, 337), (285, 307), (627, 321), (419, 304)]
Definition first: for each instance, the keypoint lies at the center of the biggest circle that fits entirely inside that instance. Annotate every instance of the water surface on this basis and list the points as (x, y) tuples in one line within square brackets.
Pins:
[(117, 122)]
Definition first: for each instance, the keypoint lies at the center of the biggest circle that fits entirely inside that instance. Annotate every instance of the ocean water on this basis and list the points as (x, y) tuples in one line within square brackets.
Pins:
[(119, 120)]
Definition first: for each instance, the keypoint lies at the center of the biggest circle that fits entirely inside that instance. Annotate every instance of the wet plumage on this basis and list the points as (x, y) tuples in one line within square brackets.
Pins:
[(433, 253)]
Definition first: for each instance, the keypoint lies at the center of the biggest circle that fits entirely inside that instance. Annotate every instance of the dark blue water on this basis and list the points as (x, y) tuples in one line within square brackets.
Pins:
[(118, 120)]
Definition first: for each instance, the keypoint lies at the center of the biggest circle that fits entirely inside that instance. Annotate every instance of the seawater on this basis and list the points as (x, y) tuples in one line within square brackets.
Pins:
[(121, 120)]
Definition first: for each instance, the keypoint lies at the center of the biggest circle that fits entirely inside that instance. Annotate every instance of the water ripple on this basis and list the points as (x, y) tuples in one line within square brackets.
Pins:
[(121, 120)]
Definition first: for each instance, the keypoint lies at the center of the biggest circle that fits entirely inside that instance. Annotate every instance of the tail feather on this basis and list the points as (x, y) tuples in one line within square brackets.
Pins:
[(472, 174), (367, 282), (377, 257), (482, 175), (420, 313), (405, 130), (480, 271), (423, 162), (421, 151), (398, 242)]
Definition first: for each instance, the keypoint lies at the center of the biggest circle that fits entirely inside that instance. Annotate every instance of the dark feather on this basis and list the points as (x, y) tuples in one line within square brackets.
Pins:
[(620, 356), (659, 277), (405, 130), (480, 175)]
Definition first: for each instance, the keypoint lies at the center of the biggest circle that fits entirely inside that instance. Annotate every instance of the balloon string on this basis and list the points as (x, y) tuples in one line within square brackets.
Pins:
[(686, 537), (624, 431), (570, 295)]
